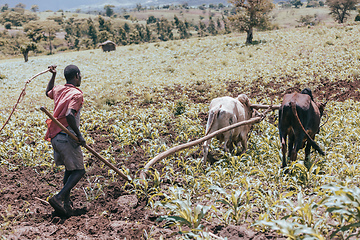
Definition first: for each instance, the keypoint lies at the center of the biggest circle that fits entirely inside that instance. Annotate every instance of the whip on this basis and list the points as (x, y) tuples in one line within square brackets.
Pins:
[(22, 95)]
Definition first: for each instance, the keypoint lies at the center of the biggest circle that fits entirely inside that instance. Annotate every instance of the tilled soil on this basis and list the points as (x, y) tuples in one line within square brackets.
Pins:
[(115, 213)]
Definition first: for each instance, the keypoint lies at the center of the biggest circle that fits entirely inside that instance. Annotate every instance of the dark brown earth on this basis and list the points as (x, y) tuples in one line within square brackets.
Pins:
[(115, 213)]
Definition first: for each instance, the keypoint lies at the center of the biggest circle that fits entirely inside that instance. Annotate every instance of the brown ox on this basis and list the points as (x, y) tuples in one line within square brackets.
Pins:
[(299, 120), (225, 111)]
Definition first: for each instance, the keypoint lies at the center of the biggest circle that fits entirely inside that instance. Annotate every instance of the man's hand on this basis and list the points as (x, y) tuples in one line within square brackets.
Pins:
[(52, 69), (51, 83), (81, 140)]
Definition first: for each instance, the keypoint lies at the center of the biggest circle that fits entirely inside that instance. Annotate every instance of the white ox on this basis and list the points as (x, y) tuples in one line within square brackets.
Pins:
[(225, 111)]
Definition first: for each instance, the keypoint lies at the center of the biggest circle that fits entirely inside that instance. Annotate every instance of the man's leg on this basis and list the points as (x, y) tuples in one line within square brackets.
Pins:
[(71, 178), (67, 201)]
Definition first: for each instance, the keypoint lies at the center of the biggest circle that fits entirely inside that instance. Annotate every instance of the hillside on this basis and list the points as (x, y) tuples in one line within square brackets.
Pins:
[(141, 100), (87, 5)]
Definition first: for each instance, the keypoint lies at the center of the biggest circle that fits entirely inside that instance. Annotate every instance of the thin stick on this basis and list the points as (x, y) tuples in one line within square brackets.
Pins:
[(216, 237), (22, 94), (86, 146), (42, 201)]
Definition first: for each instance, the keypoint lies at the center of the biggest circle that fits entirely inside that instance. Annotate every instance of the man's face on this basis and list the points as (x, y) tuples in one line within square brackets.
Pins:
[(78, 79)]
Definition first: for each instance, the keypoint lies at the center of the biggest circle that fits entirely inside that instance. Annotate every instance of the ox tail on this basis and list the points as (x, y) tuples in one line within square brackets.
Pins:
[(212, 116), (312, 142)]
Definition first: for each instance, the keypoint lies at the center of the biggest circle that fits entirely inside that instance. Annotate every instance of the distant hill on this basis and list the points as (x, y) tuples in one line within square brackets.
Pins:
[(53, 5), (85, 5)]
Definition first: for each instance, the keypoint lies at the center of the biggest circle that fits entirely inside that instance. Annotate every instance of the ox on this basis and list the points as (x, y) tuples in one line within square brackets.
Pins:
[(225, 111), (299, 120)]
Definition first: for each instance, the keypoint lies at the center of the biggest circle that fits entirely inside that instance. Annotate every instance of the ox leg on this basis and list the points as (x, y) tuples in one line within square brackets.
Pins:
[(297, 145), (206, 150), (291, 146), (283, 148), (307, 155), (228, 141), (243, 141)]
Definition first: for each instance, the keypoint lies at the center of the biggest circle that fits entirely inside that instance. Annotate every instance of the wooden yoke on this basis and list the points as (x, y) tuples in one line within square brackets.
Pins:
[(86, 146), (260, 106)]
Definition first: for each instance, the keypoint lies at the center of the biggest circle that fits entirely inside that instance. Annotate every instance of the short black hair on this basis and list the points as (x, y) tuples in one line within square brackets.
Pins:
[(308, 92), (70, 72)]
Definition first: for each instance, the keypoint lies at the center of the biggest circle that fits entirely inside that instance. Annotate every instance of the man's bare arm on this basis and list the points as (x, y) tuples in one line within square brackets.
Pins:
[(52, 80), (70, 118)]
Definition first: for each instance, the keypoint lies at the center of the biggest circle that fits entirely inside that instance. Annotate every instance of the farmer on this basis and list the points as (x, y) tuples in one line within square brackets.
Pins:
[(68, 100)]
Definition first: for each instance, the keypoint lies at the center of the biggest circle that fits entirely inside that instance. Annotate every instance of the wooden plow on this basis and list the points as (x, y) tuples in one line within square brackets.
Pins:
[(207, 137), (257, 119)]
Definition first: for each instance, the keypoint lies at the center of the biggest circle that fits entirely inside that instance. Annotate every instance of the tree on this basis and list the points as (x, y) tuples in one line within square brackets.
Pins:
[(34, 8), (211, 27), (138, 7), (122, 37), (58, 19), (33, 31), (5, 7), (104, 35), (25, 49), (92, 31), (15, 18), (147, 37), (296, 3), (20, 5), (251, 14), (164, 30), (340, 9), (109, 10), (151, 19), (50, 28), (47, 29), (7, 25), (104, 25), (126, 27), (202, 28), (182, 28)]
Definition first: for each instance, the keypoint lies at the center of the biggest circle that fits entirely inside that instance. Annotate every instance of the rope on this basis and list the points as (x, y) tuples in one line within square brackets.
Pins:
[(327, 119), (22, 95)]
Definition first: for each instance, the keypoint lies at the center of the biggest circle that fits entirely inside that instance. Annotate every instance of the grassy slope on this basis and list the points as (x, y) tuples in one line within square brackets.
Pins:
[(289, 17), (303, 56)]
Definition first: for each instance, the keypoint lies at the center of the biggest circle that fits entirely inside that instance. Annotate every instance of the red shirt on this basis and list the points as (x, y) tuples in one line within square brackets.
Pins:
[(65, 97)]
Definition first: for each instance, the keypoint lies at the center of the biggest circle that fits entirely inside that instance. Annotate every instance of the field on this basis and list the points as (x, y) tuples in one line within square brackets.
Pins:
[(143, 99)]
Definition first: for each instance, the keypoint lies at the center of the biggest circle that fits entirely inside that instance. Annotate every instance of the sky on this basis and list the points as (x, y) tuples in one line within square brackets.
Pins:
[(53, 5)]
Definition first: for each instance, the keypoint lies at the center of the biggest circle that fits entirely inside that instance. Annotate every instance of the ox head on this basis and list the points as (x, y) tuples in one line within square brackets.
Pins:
[(308, 92), (244, 100)]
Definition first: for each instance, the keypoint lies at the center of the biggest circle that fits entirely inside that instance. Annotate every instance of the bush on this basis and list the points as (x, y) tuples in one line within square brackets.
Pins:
[(7, 25), (357, 18), (151, 19)]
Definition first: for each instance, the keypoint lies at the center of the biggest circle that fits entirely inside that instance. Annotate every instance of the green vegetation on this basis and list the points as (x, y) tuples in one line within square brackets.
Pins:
[(151, 96)]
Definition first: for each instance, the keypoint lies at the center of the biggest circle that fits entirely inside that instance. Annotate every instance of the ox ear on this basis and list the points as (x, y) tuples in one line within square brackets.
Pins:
[(321, 107)]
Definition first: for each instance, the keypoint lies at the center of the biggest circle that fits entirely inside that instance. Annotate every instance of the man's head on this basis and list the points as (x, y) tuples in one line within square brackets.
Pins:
[(72, 75)]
